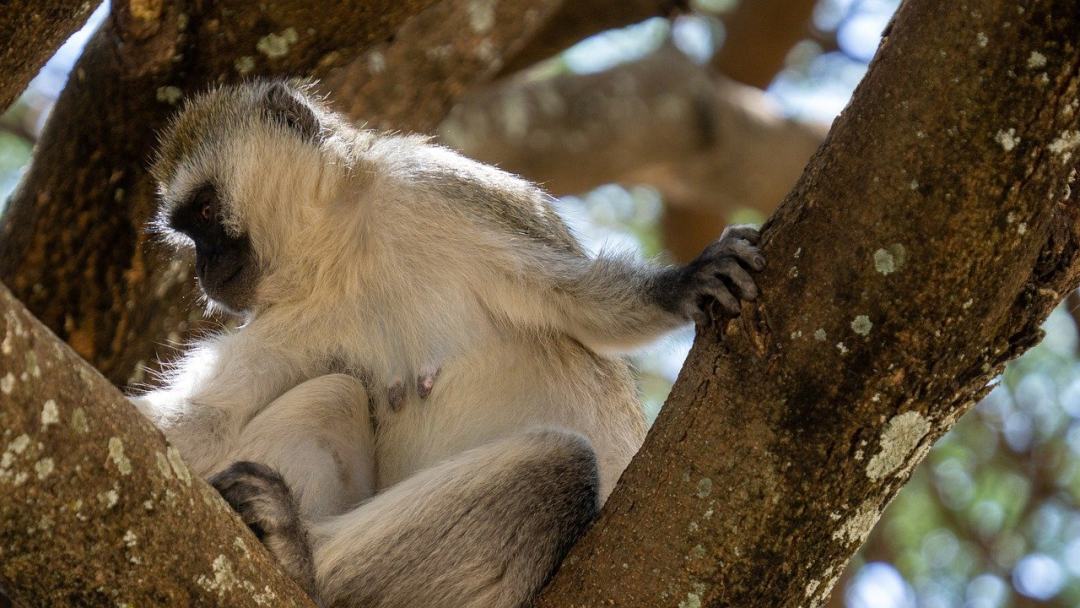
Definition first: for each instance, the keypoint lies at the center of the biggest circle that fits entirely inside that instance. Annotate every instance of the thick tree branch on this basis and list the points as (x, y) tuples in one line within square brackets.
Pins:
[(73, 246), (920, 251), (662, 120), (30, 32), (410, 83), (97, 510)]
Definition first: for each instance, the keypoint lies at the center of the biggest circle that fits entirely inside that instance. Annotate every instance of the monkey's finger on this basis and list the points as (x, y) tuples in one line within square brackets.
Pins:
[(742, 231), (747, 254), (737, 278), (718, 291)]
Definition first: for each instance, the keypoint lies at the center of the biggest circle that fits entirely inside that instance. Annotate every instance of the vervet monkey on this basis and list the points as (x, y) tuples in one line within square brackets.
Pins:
[(424, 405)]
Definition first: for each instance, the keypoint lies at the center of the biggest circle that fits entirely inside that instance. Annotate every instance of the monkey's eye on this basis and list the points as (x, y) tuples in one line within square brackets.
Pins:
[(205, 205)]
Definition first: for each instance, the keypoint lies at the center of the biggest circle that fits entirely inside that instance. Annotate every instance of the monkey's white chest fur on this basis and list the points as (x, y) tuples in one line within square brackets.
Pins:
[(493, 381)]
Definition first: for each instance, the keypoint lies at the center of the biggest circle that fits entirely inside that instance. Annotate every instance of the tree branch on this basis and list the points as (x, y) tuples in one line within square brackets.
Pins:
[(31, 31), (97, 509), (921, 250), (709, 145), (411, 82)]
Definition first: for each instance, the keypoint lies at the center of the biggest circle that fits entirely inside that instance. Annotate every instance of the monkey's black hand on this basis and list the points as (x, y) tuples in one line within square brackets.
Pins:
[(720, 273), (265, 503)]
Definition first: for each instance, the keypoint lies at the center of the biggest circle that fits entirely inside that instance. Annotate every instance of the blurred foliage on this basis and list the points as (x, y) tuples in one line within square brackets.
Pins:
[(991, 519)]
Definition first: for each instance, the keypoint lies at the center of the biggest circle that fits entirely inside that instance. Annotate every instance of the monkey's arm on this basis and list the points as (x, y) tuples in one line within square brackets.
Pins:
[(614, 304), (217, 387)]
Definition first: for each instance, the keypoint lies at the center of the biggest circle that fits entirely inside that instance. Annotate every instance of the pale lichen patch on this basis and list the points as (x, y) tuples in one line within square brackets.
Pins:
[(130, 539), (178, 465), (820, 335), (266, 598), (481, 15), (163, 465), (109, 498), (1036, 60), (49, 414), (1008, 140), (116, 454), (78, 421), (241, 546), (44, 467), (7, 383), (983, 40), (693, 600), (376, 62), (277, 45), (244, 64), (857, 527), (862, 325), (1065, 143), (169, 94), (19, 444), (704, 487), (888, 260), (224, 578), (32, 364), (901, 436)]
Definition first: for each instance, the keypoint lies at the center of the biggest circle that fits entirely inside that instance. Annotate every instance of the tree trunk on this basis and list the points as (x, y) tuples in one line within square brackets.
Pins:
[(920, 251), (97, 510), (30, 33), (73, 242)]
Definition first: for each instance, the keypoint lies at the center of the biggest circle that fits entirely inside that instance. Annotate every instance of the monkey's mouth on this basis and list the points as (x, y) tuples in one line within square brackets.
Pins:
[(233, 289)]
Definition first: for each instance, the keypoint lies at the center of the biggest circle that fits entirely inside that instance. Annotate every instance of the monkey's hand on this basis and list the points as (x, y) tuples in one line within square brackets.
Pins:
[(722, 273), (265, 503)]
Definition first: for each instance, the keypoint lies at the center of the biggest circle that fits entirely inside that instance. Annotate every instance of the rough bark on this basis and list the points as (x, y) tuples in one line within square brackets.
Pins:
[(30, 32), (73, 244), (97, 510), (580, 19), (411, 82), (919, 252)]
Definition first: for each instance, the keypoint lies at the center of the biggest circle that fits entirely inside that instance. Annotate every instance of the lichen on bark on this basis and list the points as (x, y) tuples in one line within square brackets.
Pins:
[(96, 508)]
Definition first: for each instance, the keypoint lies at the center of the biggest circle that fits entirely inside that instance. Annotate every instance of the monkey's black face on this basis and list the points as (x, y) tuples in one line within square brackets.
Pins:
[(225, 264)]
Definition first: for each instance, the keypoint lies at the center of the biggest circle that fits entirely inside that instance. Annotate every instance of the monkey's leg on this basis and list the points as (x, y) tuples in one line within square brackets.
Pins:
[(318, 436), (309, 453), (483, 530)]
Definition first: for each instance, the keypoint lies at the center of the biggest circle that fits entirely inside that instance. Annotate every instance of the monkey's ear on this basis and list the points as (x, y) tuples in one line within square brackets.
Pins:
[(287, 108)]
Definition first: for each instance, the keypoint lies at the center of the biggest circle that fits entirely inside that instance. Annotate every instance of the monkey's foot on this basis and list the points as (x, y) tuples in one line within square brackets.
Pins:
[(265, 503)]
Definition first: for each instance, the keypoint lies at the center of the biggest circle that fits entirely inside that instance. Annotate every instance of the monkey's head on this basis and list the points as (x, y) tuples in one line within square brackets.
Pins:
[(242, 172)]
